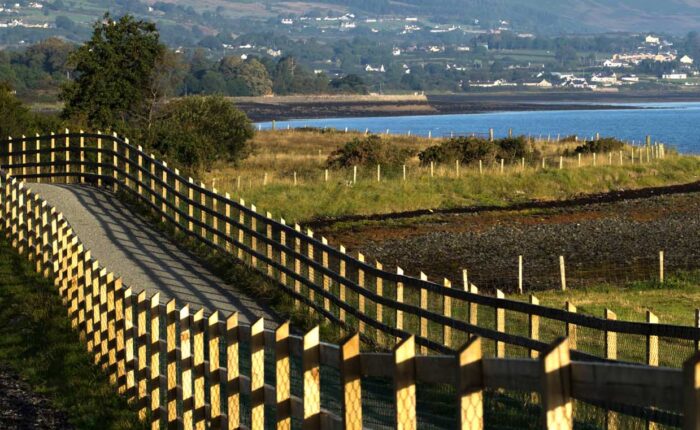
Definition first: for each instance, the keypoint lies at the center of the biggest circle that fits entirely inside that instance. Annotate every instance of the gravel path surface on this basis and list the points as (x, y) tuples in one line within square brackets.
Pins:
[(22, 409), (612, 242), (125, 244)]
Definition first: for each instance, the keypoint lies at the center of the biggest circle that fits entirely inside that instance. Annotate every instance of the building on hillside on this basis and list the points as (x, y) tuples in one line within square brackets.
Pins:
[(541, 84), (371, 69), (686, 60), (652, 40), (396, 52), (613, 64), (630, 79), (287, 21), (674, 76), (604, 78)]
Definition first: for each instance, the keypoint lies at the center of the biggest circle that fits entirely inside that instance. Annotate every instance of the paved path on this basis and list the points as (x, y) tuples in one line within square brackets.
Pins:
[(126, 245)]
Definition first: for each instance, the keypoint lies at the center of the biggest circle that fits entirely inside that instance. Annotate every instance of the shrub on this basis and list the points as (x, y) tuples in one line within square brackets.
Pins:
[(606, 144), (472, 149), (368, 151), (196, 131)]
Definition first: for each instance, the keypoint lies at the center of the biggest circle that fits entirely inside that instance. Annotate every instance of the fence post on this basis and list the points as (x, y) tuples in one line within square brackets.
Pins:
[(697, 324), (520, 274), (691, 394), (311, 273), (379, 290), (38, 158), (562, 272), (200, 416), (534, 326), (312, 380), (399, 299), (233, 382), (447, 312), (571, 328), (257, 375), (115, 162), (171, 360), (326, 279), (297, 263), (164, 196), (473, 307), (661, 267), (268, 236), (610, 337), (500, 326), (186, 367), (360, 296), (154, 340), (141, 357), (24, 155), (423, 320), (282, 378), (215, 371), (351, 376), (470, 388), (354, 174), (405, 384), (190, 207), (652, 342), (555, 366), (99, 159), (203, 214), (341, 285)]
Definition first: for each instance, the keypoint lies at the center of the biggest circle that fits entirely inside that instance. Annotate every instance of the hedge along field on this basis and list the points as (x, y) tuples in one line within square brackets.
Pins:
[(287, 175)]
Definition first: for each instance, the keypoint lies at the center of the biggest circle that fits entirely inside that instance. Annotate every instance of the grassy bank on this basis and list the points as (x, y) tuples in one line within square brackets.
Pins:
[(37, 341), (267, 179)]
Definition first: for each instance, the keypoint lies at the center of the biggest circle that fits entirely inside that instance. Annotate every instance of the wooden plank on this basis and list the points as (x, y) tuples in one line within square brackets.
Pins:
[(360, 297), (119, 331), (405, 385), (164, 192), (350, 375), (141, 357), (312, 380), (311, 274), (379, 290), (470, 386), (447, 312), (571, 328), (555, 393), (171, 340), (691, 393), (342, 289), (534, 326), (423, 322), (199, 391), (500, 315), (129, 358), (215, 372), (610, 338), (154, 340), (399, 299), (257, 377), (283, 387), (652, 357), (326, 279), (185, 361), (233, 383)]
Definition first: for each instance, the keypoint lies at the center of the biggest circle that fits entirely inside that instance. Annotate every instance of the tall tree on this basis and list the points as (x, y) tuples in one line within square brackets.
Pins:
[(114, 72)]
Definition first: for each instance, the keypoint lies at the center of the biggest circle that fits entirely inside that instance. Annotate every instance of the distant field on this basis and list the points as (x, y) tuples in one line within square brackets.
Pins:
[(267, 178)]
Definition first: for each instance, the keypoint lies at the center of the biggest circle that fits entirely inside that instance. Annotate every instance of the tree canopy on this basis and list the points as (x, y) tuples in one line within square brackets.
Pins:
[(114, 72)]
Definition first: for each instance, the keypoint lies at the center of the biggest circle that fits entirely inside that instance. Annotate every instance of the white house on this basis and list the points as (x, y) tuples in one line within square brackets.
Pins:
[(287, 21), (686, 60), (630, 79), (396, 52), (540, 84), (613, 64), (652, 40), (604, 79), (674, 76), (379, 69)]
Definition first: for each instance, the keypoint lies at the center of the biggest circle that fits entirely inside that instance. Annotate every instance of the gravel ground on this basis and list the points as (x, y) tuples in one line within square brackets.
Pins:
[(143, 257), (601, 242), (21, 409)]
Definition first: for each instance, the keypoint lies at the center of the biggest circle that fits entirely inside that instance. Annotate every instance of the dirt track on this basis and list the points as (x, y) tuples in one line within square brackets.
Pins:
[(603, 238)]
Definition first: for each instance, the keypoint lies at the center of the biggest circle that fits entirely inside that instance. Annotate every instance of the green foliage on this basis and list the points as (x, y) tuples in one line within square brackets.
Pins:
[(196, 131), (368, 151), (289, 77), (467, 150), (606, 144), (114, 72), (245, 78), (37, 341), (16, 119), (349, 84)]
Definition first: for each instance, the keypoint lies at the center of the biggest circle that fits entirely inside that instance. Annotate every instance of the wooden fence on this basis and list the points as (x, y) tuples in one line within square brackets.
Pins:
[(385, 306), (183, 368)]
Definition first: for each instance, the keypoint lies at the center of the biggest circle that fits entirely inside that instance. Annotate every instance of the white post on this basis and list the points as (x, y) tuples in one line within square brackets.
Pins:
[(520, 274), (354, 174), (562, 270)]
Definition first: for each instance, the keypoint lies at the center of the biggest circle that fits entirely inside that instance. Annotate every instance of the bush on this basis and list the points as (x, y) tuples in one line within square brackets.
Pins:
[(368, 151), (606, 144), (196, 131), (468, 150)]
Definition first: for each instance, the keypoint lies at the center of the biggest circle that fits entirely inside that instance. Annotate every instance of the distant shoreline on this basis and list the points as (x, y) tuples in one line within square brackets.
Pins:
[(262, 109)]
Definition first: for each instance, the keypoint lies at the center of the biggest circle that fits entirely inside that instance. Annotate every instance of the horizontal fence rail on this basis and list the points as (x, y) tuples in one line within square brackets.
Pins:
[(184, 368), (385, 307)]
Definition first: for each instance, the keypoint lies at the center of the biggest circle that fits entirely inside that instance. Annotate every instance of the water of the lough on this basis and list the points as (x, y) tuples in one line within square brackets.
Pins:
[(675, 124)]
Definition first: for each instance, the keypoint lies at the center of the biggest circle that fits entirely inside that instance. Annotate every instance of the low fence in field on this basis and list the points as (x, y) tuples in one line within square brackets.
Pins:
[(185, 369), (346, 290)]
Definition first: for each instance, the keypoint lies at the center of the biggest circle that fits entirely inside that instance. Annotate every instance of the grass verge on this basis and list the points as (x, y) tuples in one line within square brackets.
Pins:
[(37, 341)]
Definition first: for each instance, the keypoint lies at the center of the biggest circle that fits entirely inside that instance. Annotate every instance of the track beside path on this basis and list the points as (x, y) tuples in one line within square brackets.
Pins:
[(125, 244)]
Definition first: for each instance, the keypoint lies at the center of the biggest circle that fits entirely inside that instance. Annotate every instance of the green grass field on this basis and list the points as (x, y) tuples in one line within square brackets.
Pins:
[(36, 341)]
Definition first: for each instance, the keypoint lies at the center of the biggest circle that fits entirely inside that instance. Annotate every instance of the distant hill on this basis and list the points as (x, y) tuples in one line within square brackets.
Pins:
[(674, 16)]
